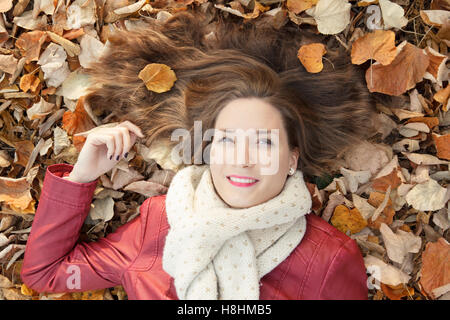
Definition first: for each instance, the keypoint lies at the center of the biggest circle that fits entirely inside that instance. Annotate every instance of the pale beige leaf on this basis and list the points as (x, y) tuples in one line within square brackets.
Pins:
[(102, 209), (39, 109), (393, 14), (54, 65), (385, 273), (332, 16), (5, 5), (400, 243), (427, 196), (91, 50)]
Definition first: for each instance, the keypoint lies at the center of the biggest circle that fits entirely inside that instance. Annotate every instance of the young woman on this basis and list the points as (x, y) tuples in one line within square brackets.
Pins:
[(225, 229)]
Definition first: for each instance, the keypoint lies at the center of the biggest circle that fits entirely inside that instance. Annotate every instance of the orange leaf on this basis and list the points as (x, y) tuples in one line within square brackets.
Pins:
[(442, 143), (397, 292), (23, 151), (158, 77), (29, 82), (78, 142), (382, 183), (73, 34), (311, 55), (315, 196), (435, 271), (386, 216), (348, 220), (24, 289), (407, 69), (431, 122), (30, 44), (437, 66), (297, 6), (442, 96), (378, 45), (77, 121), (89, 295)]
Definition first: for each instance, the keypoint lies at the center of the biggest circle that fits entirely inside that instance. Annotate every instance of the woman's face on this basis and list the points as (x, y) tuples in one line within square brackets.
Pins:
[(243, 147)]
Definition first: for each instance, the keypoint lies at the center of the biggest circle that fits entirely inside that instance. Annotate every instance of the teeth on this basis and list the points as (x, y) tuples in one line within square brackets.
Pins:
[(242, 180)]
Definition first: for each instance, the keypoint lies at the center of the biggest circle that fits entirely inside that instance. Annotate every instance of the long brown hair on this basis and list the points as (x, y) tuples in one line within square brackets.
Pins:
[(323, 113)]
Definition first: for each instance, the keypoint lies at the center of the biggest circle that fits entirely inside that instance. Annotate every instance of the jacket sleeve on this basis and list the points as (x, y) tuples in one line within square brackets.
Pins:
[(346, 278), (54, 261)]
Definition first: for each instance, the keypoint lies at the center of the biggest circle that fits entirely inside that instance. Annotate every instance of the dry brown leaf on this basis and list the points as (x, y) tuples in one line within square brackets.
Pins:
[(442, 97), (158, 77), (431, 122), (397, 292), (437, 70), (16, 193), (73, 34), (387, 214), (89, 295), (442, 143), (392, 179), (407, 69), (146, 188), (298, 6), (8, 63), (435, 271), (30, 44), (29, 82), (311, 55), (77, 121), (435, 18), (23, 151), (378, 45), (426, 159)]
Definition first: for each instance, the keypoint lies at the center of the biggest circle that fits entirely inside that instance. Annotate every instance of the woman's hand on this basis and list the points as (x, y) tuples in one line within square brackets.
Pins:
[(102, 150)]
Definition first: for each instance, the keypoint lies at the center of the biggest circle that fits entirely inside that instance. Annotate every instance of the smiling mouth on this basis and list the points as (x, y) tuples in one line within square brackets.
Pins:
[(241, 181)]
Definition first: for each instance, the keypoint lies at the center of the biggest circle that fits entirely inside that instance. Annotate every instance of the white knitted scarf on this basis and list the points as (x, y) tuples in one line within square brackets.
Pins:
[(216, 252)]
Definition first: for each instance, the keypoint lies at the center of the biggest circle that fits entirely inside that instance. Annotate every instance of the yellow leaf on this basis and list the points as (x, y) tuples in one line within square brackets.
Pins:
[(89, 295), (310, 56), (158, 77), (24, 289), (345, 219)]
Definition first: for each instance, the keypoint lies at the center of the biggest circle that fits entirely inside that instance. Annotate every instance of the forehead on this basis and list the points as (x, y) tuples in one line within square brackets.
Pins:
[(249, 113)]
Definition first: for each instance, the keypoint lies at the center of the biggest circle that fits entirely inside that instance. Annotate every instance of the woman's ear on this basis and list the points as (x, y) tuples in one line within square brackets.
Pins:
[(293, 157)]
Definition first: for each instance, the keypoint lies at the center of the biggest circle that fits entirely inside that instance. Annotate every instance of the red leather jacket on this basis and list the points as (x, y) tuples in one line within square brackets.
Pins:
[(326, 264)]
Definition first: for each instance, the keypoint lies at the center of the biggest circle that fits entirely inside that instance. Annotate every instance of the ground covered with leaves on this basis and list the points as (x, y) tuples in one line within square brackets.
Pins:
[(392, 196)]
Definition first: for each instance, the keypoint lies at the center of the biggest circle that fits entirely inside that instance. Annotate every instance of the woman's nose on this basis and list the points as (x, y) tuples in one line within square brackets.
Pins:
[(243, 154)]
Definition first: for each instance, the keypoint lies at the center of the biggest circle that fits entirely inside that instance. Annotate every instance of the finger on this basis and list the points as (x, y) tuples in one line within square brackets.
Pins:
[(103, 139), (126, 140), (132, 127), (118, 139)]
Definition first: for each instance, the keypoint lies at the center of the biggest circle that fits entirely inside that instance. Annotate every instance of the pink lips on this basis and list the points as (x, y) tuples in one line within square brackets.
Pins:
[(240, 184)]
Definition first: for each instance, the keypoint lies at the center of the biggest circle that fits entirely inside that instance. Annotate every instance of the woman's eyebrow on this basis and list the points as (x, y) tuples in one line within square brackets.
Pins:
[(259, 130)]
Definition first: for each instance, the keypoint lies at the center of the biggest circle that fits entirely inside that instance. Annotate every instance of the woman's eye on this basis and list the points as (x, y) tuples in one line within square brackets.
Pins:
[(266, 141), (225, 138)]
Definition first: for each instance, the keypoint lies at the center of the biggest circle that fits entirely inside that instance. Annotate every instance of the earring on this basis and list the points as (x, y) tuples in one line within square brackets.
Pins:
[(291, 171)]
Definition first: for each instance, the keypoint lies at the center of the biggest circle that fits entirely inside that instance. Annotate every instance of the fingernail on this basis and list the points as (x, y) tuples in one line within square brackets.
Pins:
[(110, 157), (117, 158), (126, 155)]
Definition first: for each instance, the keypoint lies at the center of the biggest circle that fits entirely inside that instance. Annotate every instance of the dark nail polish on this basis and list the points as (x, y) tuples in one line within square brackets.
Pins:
[(110, 157), (117, 158), (126, 154)]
